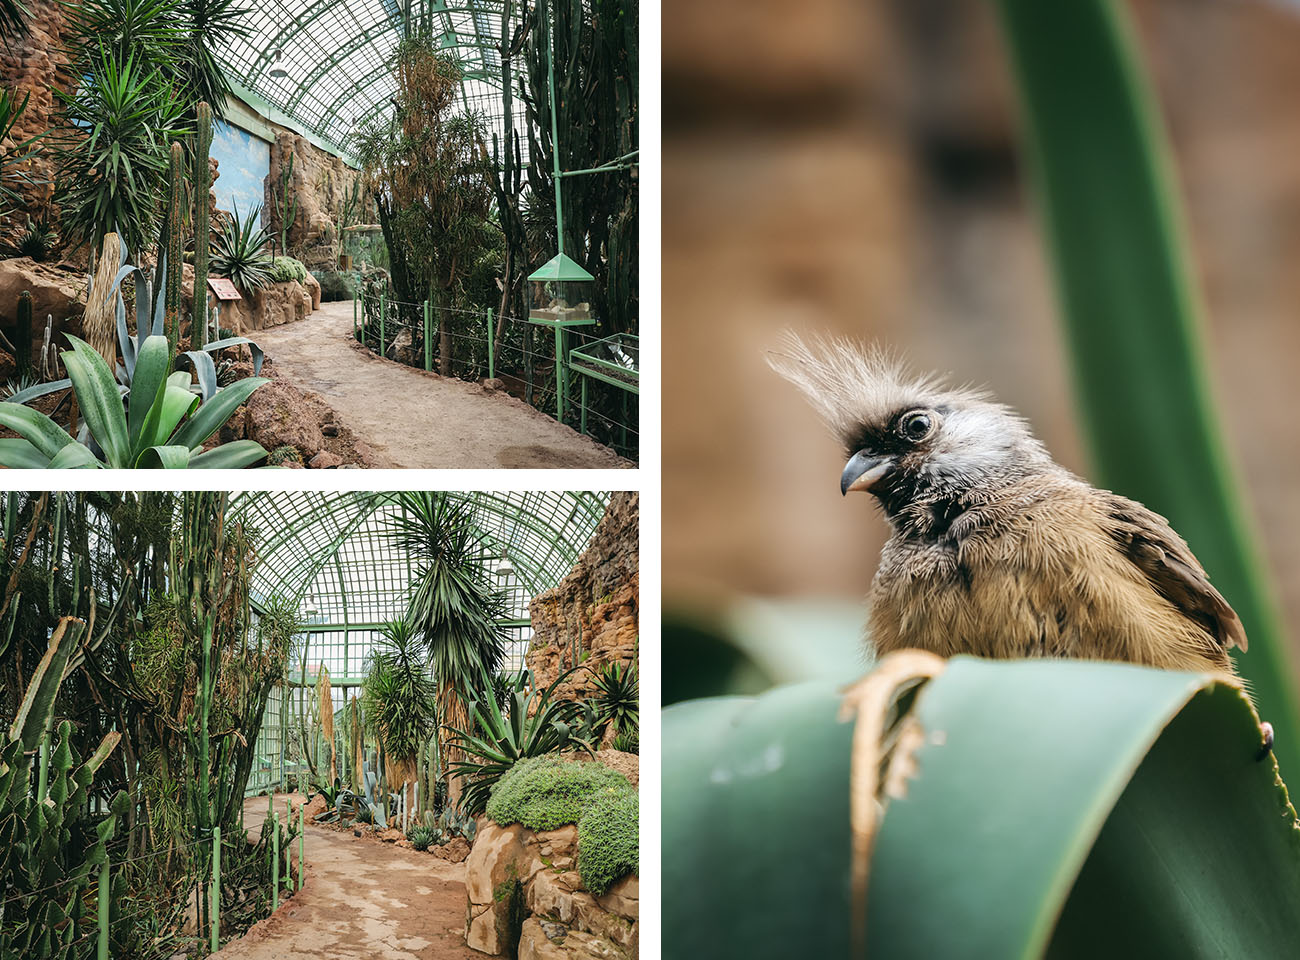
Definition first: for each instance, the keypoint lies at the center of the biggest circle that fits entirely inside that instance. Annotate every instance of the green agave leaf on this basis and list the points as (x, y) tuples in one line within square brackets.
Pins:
[(99, 399), (1054, 808), (19, 454), (229, 456), (74, 457), (163, 458), (151, 367), (32, 425), (211, 415)]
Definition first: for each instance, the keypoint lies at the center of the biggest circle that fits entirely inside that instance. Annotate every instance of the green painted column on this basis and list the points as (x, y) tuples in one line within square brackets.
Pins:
[(216, 889), (428, 346), (275, 860)]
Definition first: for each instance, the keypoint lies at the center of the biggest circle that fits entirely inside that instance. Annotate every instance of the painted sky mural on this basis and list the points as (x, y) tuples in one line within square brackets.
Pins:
[(243, 162)]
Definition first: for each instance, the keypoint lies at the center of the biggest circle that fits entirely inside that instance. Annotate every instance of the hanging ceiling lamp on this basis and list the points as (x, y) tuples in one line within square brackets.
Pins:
[(278, 72), (505, 568)]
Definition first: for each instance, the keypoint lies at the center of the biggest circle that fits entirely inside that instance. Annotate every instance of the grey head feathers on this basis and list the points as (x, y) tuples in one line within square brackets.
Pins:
[(864, 395)]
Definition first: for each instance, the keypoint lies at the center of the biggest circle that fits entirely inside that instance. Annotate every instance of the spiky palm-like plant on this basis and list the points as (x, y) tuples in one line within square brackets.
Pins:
[(238, 251), (399, 698), (454, 608)]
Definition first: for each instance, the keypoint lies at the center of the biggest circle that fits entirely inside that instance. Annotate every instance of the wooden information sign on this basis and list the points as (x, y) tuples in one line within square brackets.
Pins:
[(224, 289)]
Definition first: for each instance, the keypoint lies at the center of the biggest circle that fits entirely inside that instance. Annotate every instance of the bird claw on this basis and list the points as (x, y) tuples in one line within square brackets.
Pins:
[(1267, 748)]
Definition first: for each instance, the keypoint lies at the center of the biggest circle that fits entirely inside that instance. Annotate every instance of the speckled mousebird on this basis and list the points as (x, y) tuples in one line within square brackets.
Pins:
[(997, 550)]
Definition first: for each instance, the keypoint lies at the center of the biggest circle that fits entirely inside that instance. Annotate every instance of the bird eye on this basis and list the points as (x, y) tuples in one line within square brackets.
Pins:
[(916, 426)]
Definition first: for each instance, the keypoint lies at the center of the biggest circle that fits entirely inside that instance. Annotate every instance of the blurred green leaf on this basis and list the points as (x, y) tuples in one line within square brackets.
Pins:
[(1131, 308)]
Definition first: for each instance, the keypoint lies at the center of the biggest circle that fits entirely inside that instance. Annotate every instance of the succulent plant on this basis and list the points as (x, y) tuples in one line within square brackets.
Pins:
[(421, 837)]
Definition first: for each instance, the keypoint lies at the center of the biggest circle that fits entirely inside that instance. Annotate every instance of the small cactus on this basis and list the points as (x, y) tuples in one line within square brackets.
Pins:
[(23, 335)]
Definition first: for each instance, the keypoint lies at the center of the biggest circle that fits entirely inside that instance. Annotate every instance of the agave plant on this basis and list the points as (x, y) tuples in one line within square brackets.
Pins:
[(618, 697), (533, 725), (162, 424), (420, 836), (238, 251)]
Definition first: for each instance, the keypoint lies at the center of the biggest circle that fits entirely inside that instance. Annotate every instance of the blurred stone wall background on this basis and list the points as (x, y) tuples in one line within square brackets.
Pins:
[(852, 167)]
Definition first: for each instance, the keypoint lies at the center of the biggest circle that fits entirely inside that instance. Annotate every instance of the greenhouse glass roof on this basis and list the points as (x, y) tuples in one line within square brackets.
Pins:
[(329, 553), (323, 63)]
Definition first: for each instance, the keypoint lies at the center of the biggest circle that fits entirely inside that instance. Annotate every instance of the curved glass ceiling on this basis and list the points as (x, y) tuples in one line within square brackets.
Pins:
[(323, 63)]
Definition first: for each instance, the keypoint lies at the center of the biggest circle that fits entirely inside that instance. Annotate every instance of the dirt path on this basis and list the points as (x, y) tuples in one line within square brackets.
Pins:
[(360, 899), (417, 419)]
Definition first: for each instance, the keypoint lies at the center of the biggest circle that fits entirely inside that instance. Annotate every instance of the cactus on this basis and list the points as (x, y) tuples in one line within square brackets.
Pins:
[(286, 206), (175, 249), (44, 873), (23, 335), (202, 184)]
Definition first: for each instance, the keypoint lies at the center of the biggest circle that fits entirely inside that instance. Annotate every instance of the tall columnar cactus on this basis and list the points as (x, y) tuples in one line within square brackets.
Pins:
[(175, 249), (202, 184), (44, 873), (286, 205), (23, 335)]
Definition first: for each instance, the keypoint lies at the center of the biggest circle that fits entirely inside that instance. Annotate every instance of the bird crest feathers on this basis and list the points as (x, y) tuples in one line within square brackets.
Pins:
[(851, 383)]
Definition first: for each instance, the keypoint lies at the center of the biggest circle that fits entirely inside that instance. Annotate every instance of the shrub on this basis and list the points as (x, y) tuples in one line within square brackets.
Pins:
[(608, 840), (546, 792), (628, 741), (336, 286), (284, 269)]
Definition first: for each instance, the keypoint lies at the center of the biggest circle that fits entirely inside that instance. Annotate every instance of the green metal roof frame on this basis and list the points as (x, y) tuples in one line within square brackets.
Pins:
[(331, 546), (336, 54)]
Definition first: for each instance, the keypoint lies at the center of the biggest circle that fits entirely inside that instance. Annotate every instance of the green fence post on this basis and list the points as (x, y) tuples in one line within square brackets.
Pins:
[(275, 860), (491, 339), (216, 888), (559, 373), (428, 345), (104, 886), (583, 403), (302, 842), (358, 302)]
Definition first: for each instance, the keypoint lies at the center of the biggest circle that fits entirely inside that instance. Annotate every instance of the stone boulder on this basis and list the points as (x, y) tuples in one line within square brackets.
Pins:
[(271, 306), (277, 415), (562, 944), (58, 290), (455, 850), (513, 871)]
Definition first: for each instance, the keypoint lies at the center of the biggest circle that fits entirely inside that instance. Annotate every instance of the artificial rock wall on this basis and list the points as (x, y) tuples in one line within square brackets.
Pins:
[(595, 605), (320, 182), (30, 66)]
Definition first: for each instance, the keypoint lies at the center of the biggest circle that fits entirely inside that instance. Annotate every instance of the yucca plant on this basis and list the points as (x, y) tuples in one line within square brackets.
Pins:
[(37, 240), (11, 111), (399, 699), (112, 151), (454, 608), (238, 251), (532, 725)]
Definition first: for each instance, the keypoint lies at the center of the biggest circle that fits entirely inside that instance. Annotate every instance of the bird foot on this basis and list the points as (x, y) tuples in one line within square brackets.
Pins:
[(1267, 748)]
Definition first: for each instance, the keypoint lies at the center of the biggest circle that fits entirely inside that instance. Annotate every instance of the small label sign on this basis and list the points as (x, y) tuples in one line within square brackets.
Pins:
[(224, 289)]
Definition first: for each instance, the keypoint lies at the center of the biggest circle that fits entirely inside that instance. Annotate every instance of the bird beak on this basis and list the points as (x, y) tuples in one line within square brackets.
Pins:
[(863, 471)]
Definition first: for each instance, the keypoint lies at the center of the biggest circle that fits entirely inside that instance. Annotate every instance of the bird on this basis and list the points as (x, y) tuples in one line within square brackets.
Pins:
[(996, 550)]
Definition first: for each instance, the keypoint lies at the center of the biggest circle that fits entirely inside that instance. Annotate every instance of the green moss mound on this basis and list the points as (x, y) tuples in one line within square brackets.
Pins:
[(544, 793), (284, 269), (607, 841)]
